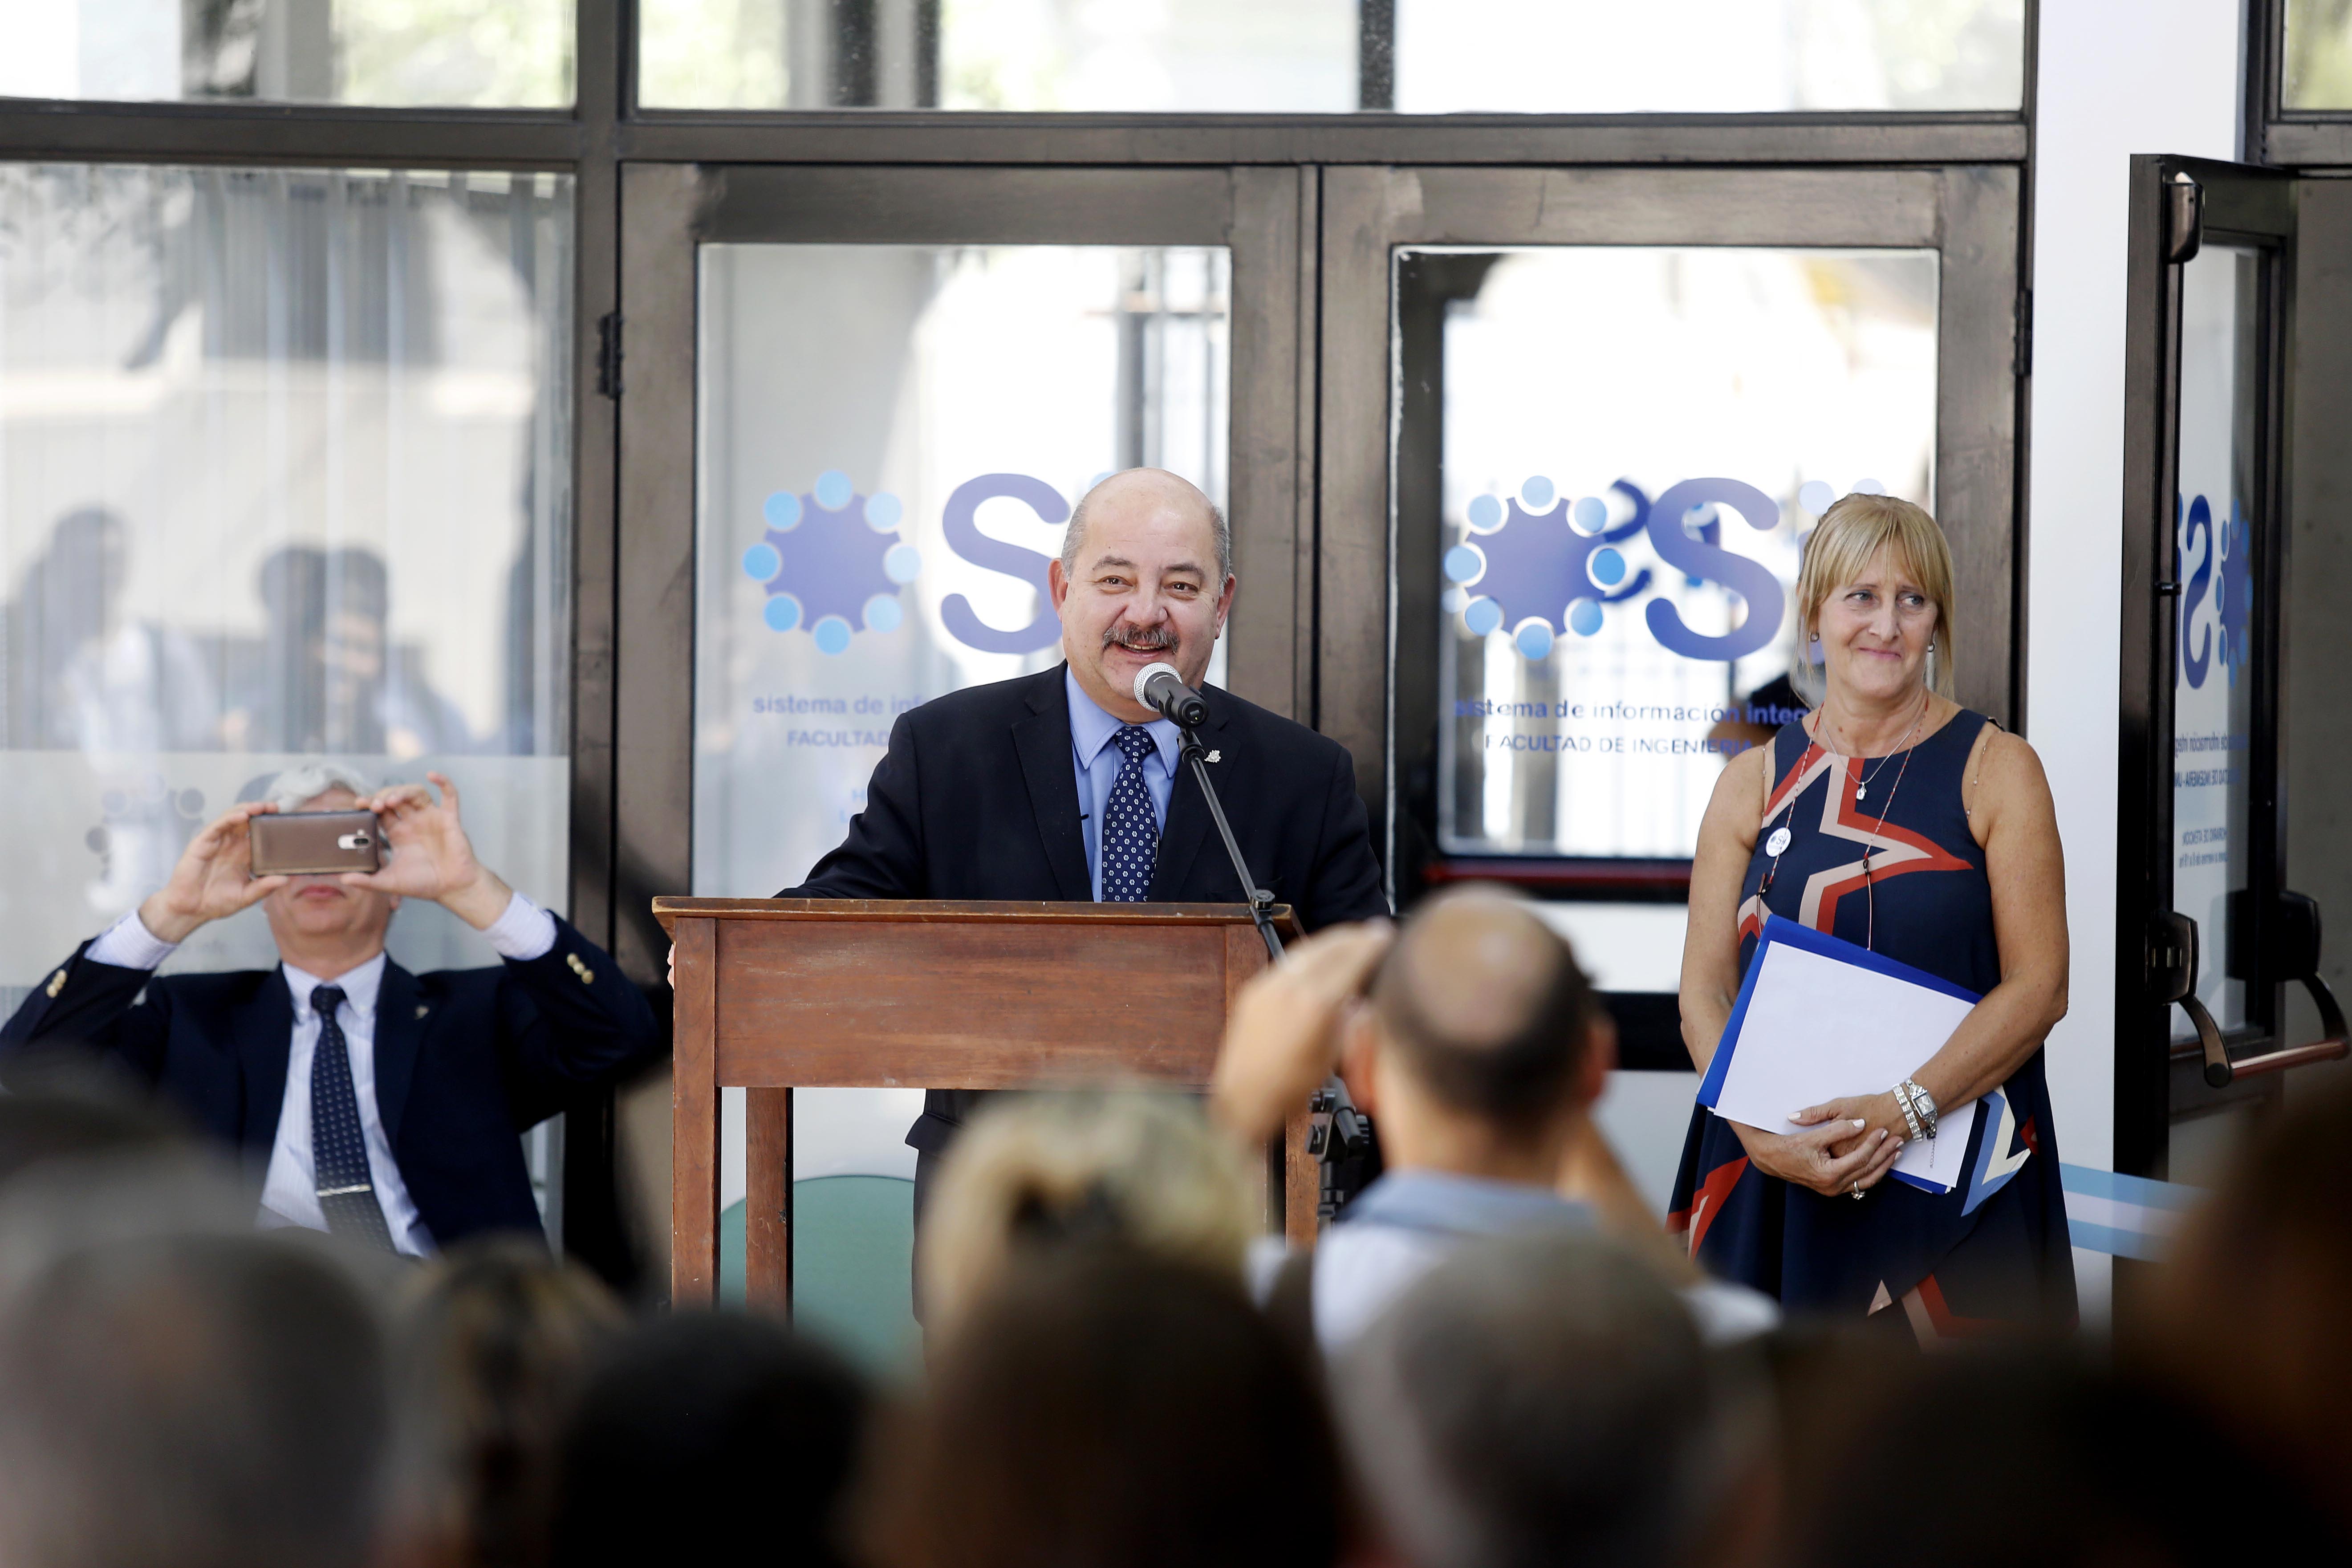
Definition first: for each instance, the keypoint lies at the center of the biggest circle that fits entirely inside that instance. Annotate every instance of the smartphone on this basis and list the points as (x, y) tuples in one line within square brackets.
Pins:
[(291, 843)]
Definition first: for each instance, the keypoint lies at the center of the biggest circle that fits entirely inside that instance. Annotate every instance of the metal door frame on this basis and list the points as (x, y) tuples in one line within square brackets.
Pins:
[(1374, 614), (669, 210), (2156, 1083)]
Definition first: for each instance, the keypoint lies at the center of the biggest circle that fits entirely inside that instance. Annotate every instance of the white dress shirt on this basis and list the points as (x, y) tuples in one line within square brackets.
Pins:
[(289, 1193), (1099, 762)]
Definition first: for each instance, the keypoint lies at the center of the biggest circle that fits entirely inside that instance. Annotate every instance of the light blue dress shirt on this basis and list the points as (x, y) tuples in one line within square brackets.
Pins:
[(1098, 762)]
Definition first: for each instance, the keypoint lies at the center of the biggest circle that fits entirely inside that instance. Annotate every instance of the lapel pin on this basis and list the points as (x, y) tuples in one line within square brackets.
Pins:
[(422, 1011), (1216, 756)]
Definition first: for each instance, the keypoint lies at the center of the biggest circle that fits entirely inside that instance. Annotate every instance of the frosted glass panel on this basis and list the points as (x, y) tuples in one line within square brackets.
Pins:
[(891, 439), (486, 54), (284, 470), (1334, 56), (1634, 441), (2213, 675), (2318, 55)]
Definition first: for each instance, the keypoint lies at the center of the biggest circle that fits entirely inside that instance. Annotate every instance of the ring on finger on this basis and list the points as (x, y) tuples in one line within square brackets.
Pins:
[(1857, 1193)]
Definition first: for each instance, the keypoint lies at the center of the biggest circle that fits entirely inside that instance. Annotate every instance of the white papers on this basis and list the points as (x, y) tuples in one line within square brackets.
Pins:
[(1820, 1019)]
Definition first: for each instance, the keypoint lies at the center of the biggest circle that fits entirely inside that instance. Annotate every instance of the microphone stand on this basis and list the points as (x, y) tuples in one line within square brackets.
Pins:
[(1260, 901)]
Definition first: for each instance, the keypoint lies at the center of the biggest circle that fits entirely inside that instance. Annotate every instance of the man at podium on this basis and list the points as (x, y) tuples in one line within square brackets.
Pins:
[(1062, 786)]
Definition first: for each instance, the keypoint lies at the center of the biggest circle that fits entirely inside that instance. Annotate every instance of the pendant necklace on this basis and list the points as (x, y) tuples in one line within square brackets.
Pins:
[(1862, 787), (1777, 843)]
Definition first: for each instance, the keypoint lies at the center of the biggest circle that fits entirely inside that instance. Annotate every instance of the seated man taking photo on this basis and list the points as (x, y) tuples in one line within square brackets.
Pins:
[(369, 1101)]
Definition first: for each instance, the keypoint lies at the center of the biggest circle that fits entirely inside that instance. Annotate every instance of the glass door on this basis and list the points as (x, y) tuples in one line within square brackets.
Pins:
[(859, 406), (1567, 526), (2209, 934)]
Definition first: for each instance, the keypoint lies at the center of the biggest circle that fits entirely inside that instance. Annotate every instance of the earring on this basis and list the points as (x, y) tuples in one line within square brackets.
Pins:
[(1931, 647)]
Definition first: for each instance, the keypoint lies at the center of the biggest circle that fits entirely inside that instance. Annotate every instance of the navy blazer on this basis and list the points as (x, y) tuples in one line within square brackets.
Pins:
[(978, 799), (466, 1059)]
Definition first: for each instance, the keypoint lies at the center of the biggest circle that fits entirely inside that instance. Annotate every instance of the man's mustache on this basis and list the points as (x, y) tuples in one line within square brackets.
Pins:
[(1141, 639)]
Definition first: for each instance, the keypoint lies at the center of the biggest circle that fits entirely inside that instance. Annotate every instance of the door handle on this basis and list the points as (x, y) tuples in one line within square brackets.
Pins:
[(2172, 975), (2293, 951), (2184, 218)]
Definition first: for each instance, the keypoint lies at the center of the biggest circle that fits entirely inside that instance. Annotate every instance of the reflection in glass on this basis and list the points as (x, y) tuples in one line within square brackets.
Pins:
[(891, 438), (1599, 659), (286, 472), (1589, 56), (1334, 56), (2318, 55), (488, 54), (2212, 677)]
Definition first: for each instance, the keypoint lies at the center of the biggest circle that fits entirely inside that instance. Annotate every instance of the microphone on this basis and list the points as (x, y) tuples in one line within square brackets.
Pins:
[(1159, 688)]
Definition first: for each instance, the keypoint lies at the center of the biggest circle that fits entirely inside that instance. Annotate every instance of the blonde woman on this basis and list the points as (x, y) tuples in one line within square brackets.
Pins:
[(1040, 1173), (1895, 818)]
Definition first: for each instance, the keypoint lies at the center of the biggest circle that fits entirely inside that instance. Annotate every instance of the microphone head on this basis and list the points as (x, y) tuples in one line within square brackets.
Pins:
[(1149, 672)]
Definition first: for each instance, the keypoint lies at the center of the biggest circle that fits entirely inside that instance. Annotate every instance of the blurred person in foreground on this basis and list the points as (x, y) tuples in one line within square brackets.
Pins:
[(1099, 1408), (488, 1364), (2247, 1316), (1480, 1057), (1897, 820), (190, 1402), (1542, 1400), (2039, 1462), (369, 1101), (1038, 1173), (711, 1437)]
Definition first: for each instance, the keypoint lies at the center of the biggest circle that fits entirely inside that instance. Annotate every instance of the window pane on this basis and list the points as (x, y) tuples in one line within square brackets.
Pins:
[(1333, 55), (488, 54), (891, 438), (2213, 679), (287, 473), (1600, 658), (2318, 55)]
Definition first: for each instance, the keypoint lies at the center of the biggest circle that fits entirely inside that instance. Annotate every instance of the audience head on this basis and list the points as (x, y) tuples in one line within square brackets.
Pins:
[(487, 1366), (1480, 1025), (1146, 574), (189, 1402), (2249, 1311), (1037, 1173), (702, 1433), (315, 912), (1534, 1402), (1103, 1409), (67, 1105), (2041, 1464)]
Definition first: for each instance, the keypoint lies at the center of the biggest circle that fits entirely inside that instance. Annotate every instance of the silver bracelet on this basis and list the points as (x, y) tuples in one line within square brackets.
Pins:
[(1923, 1103), (1911, 1117)]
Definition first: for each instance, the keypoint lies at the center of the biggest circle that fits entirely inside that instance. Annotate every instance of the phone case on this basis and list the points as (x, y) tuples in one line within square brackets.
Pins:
[(291, 843)]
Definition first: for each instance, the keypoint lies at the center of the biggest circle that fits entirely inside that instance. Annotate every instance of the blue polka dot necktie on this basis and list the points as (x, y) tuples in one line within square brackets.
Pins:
[(339, 1163), (1130, 838)]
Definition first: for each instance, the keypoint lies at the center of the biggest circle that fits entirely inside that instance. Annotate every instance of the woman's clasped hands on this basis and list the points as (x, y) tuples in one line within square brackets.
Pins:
[(1847, 1146)]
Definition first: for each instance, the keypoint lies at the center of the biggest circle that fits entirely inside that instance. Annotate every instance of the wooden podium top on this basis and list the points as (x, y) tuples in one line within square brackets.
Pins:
[(778, 993), (668, 909)]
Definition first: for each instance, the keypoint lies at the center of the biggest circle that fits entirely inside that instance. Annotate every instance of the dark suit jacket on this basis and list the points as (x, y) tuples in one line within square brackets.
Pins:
[(466, 1059), (978, 799)]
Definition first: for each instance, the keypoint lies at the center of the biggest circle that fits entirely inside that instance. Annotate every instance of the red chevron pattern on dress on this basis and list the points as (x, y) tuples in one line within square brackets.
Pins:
[(1708, 1202)]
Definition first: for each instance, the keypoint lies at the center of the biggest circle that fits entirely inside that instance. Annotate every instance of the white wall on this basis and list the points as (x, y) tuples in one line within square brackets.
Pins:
[(2115, 78)]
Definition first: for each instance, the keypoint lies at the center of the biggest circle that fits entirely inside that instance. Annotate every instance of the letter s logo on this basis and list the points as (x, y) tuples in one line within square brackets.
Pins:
[(2199, 657), (965, 539), (1752, 579)]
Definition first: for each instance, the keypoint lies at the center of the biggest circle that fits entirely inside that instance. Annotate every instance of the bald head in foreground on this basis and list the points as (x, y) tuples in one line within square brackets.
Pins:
[(1477, 1046)]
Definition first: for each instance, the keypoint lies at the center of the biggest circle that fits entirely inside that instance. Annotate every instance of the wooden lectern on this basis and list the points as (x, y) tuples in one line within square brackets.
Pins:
[(778, 993)]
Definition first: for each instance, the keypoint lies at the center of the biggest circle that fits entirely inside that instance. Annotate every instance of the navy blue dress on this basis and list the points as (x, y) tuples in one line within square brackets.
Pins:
[(1991, 1253)]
